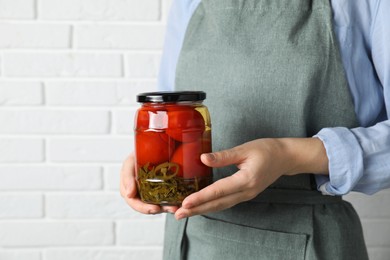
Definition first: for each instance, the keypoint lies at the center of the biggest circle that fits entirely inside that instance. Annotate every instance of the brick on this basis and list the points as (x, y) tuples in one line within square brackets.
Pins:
[(150, 253), (112, 177), (140, 232), (106, 10), (43, 64), (21, 150), (371, 206), (379, 253), (142, 65), (17, 9), (54, 122), (20, 93), (88, 206), (34, 36), (45, 233), (49, 178), (139, 37), (28, 205), (377, 232), (124, 121), (90, 150), (20, 254), (96, 93)]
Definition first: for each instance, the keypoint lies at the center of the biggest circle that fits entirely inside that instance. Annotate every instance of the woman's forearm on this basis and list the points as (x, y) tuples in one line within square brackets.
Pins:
[(303, 155)]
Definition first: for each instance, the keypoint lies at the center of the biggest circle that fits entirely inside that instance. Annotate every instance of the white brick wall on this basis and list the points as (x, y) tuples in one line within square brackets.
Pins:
[(20, 93), (51, 178), (142, 65), (30, 35), (30, 233), (62, 64), (20, 254), (95, 93), (87, 206), (69, 72), (112, 253), (119, 37), (28, 205), (103, 149), (17, 9), (99, 10), (21, 150), (45, 121)]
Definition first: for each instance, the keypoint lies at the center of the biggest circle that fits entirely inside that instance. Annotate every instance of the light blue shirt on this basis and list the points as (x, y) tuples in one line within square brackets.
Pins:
[(359, 158)]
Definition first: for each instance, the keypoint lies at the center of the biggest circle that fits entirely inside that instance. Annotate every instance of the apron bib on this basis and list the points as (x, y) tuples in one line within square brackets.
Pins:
[(270, 68)]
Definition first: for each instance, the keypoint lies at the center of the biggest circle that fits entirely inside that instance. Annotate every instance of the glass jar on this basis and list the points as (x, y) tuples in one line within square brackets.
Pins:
[(172, 130)]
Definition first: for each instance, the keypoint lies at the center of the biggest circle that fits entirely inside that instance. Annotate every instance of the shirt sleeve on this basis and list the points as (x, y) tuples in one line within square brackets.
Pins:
[(359, 158), (179, 16)]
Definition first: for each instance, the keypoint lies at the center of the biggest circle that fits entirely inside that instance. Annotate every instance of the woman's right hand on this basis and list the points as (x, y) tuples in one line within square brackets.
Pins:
[(128, 190)]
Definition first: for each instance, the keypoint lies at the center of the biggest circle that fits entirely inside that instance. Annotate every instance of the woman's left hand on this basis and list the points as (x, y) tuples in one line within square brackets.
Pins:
[(260, 162)]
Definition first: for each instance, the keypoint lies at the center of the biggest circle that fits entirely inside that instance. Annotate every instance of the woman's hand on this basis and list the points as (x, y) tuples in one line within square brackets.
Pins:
[(128, 190), (260, 163)]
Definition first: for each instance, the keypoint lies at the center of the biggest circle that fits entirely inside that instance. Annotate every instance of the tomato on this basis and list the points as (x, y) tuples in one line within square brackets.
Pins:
[(153, 148), (151, 118), (185, 124), (187, 155), (142, 119)]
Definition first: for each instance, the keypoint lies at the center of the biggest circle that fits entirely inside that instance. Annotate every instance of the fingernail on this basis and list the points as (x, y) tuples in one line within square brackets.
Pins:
[(181, 216), (210, 156), (153, 211)]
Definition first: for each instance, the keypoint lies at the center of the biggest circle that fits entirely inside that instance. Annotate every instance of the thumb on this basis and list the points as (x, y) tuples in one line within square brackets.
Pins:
[(222, 158), (127, 179)]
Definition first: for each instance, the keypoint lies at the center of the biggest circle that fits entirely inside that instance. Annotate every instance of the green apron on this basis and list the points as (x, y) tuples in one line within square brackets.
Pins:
[(271, 68)]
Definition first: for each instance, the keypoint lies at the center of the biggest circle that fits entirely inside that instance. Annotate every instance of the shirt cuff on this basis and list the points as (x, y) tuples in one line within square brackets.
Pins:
[(345, 161)]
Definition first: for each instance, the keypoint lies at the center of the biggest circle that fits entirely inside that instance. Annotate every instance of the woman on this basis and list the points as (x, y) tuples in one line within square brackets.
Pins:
[(299, 94)]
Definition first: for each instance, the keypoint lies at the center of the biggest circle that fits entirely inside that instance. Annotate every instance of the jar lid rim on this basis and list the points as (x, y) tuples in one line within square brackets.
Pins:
[(171, 96)]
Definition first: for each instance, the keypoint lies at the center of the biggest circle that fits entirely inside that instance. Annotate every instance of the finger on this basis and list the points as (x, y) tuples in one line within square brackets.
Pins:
[(127, 186), (170, 209), (223, 158), (145, 208), (212, 206), (221, 188), (142, 207)]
